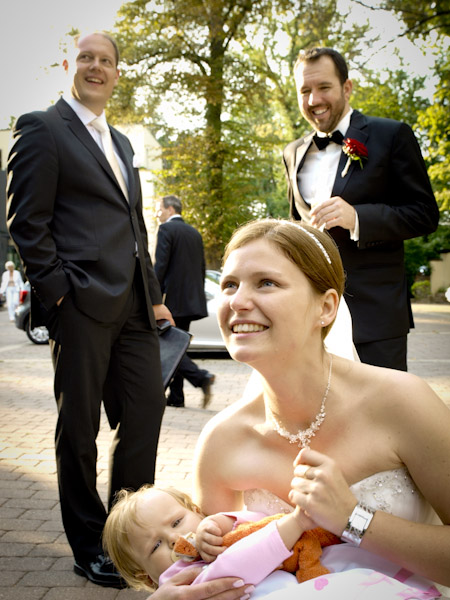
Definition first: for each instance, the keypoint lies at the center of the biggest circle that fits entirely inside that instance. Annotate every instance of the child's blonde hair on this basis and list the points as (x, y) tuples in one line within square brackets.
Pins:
[(115, 533)]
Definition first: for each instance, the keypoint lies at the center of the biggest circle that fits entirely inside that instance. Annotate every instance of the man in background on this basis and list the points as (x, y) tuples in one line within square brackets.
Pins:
[(180, 268), (369, 202), (75, 215)]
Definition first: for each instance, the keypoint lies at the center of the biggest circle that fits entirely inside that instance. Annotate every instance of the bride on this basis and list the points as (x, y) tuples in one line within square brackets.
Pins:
[(370, 445)]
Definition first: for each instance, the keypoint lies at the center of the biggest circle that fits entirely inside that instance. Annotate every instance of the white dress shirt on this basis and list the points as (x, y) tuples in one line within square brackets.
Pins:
[(319, 169), (86, 116)]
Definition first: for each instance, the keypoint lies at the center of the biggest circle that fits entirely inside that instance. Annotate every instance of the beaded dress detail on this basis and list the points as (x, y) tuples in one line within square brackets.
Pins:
[(355, 573), (390, 491)]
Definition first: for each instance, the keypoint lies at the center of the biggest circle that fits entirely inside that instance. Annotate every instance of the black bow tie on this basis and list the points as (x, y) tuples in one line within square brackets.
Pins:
[(322, 142)]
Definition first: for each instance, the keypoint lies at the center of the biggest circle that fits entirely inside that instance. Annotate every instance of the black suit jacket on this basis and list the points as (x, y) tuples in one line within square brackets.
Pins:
[(180, 268), (394, 201), (72, 225)]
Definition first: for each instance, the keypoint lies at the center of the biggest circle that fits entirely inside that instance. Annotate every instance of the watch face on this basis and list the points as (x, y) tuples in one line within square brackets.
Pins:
[(357, 524), (361, 521)]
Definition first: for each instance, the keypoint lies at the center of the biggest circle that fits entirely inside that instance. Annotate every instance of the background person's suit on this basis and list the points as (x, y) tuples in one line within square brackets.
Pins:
[(180, 268), (394, 201), (79, 238)]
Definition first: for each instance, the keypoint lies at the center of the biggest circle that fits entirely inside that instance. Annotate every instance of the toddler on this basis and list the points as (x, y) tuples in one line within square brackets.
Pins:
[(143, 526)]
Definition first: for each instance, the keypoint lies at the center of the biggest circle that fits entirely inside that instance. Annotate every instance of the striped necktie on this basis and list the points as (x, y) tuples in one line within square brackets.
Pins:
[(102, 127)]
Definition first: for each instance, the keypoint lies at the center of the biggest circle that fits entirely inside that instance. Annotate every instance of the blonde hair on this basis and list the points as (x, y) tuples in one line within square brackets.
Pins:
[(104, 34), (314, 252), (115, 535)]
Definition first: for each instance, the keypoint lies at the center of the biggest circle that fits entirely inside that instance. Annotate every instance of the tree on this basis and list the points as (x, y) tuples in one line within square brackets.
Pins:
[(422, 17), (181, 47), (425, 18), (429, 23), (224, 62), (393, 94), (435, 121), (225, 67)]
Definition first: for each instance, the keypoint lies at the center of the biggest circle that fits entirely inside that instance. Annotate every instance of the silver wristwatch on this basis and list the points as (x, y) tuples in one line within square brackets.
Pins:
[(357, 525)]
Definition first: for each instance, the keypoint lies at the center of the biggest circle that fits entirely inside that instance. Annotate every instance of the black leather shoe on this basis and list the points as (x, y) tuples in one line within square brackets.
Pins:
[(206, 387), (173, 403), (100, 571)]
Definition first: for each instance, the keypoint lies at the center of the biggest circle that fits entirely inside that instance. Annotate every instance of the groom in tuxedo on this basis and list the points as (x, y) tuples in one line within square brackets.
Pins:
[(75, 215), (369, 204)]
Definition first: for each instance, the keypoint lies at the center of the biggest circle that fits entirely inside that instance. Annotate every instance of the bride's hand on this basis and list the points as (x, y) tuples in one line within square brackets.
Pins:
[(178, 588), (321, 491)]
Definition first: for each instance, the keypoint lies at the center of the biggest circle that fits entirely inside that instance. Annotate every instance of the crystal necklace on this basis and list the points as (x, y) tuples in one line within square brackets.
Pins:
[(303, 436)]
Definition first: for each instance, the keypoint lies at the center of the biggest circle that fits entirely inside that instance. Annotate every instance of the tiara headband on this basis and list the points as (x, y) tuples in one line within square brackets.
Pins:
[(314, 238)]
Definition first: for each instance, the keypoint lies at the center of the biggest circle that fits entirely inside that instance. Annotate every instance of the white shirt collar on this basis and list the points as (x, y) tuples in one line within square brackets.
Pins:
[(342, 126), (344, 123), (83, 113)]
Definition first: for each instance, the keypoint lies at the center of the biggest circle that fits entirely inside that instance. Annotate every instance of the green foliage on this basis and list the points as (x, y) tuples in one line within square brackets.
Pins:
[(225, 67), (180, 49), (419, 251), (421, 290), (184, 174), (422, 17), (391, 94), (435, 121)]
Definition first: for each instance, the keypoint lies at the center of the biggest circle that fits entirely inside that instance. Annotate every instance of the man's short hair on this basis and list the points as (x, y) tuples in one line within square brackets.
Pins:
[(107, 36), (313, 54), (172, 201)]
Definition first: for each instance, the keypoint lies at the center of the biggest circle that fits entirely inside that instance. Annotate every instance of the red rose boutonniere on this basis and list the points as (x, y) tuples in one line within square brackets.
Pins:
[(355, 151)]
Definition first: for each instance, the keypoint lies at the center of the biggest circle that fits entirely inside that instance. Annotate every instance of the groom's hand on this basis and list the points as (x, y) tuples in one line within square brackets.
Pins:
[(335, 212)]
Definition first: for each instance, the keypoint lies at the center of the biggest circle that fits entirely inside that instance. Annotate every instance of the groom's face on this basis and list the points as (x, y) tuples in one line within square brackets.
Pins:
[(322, 98)]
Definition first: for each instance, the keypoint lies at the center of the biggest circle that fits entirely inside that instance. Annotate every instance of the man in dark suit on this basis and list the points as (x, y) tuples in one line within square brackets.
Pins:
[(77, 222), (369, 208), (180, 268)]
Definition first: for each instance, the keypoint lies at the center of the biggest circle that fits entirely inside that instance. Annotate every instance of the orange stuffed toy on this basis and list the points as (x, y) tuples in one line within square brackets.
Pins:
[(304, 562)]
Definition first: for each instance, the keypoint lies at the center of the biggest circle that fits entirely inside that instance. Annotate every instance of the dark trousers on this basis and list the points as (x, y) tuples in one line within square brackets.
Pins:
[(187, 369), (82, 351), (389, 353)]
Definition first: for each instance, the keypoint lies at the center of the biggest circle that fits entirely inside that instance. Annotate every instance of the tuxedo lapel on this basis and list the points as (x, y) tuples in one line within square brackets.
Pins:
[(300, 153), (356, 130)]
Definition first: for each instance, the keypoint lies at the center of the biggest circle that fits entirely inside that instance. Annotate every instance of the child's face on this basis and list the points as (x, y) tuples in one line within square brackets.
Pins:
[(161, 522)]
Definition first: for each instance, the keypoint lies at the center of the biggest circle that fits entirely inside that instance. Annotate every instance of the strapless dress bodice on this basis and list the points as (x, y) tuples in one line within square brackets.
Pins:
[(392, 491)]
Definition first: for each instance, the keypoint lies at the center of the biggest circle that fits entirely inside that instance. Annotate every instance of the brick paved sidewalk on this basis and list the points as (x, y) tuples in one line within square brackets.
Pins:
[(35, 559)]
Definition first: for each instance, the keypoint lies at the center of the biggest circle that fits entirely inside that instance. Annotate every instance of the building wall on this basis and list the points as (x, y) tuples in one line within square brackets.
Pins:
[(440, 273), (5, 141), (147, 153)]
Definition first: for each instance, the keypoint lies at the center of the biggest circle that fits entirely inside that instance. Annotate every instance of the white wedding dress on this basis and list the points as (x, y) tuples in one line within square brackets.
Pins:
[(355, 573)]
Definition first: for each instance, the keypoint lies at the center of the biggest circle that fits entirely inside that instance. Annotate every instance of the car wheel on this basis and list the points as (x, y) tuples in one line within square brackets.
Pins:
[(38, 335)]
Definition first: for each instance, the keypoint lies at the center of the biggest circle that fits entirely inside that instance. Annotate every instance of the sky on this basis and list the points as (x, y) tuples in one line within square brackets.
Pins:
[(31, 32)]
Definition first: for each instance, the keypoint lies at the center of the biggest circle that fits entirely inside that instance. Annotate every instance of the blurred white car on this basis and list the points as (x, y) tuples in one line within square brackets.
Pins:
[(206, 332), (38, 335)]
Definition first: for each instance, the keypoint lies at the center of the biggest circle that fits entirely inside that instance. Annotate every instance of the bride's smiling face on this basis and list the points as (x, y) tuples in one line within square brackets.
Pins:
[(268, 308)]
